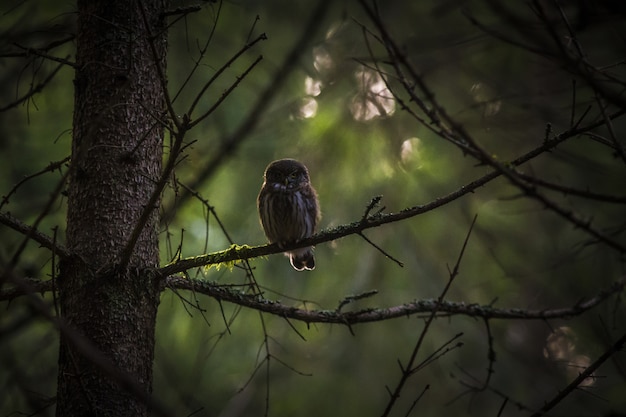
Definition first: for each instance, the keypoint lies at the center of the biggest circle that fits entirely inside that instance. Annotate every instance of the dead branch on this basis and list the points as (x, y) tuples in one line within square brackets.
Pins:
[(587, 373), (443, 309), (227, 147)]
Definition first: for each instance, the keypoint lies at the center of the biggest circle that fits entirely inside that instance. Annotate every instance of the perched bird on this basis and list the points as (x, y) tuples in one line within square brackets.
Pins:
[(288, 209)]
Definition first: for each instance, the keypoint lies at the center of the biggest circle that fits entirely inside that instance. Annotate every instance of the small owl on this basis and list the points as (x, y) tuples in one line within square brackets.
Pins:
[(288, 208)]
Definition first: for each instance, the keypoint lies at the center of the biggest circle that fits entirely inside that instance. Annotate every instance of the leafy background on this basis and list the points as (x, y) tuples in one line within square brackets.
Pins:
[(219, 359)]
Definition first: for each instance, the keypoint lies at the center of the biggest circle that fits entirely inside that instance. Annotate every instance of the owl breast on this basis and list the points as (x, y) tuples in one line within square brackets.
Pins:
[(290, 206)]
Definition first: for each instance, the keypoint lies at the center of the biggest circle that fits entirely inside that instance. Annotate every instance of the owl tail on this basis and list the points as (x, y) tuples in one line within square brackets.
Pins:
[(302, 259)]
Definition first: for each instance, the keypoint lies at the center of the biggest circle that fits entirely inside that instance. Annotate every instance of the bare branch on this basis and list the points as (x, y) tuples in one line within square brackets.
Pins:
[(409, 369), (181, 129), (30, 286), (230, 144), (52, 166), (555, 48), (616, 199), (446, 308), (40, 53), (31, 232), (381, 250), (33, 90), (352, 298), (226, 93), (85, 346), (151, 205), (236, 253), (182, 10), (202, 51), (456, 133), (223, 68), (587, 373)]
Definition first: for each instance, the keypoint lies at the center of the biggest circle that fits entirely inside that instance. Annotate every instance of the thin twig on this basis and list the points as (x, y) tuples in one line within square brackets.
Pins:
[(616, 199), (31, 231), (223, 68), (352, 298), (419, 397), (587, 373), (52, 166), (381, 250), (227, 147), (226, 93), (33, 90), (203, 50), (181, 11), (407, 370), (457, 133)]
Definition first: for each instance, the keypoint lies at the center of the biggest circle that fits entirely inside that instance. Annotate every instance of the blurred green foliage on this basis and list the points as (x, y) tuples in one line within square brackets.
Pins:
[(218, 359)]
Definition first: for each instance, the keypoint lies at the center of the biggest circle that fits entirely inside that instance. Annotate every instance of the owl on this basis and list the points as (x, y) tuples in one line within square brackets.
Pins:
[(288, 209)]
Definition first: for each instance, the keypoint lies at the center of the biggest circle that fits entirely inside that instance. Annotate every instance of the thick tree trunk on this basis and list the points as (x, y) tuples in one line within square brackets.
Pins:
[(116, 160)]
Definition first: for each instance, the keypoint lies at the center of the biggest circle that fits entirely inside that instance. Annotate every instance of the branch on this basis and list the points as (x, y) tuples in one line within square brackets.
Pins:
[(554, 47), (34, 90), (32, 230), (587, 373), (41, 238), (179, 132), (182, 126), (409, 369), (40, 53), (608, 198), (226, 93), (230, 145), (443, 308), (182, 10), (52, 166), (237, 253), (202, 51), (28, 286), (223, 68), (85, 346), (456, 133), (151, 205)]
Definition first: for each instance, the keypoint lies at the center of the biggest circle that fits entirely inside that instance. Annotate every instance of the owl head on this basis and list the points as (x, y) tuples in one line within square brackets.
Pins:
[(286, 174)]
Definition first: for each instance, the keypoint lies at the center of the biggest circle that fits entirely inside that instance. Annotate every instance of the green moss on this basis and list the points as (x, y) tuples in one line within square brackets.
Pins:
[(228, 258)]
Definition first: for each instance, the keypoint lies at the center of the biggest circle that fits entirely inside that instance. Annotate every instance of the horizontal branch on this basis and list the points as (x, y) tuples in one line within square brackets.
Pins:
[(41, 238), (444, 308), (238, 253), (40, 52), (591, 195), (82, 345), (29, 286)]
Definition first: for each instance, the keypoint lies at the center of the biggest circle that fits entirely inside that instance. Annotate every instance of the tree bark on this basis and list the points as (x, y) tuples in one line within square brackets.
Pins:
[(116, 161)]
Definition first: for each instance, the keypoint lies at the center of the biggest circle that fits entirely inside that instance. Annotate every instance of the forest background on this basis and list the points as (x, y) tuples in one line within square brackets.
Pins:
[(470, 165)]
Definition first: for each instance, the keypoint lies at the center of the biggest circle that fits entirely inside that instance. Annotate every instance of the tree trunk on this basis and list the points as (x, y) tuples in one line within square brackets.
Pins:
[(116, 160)]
